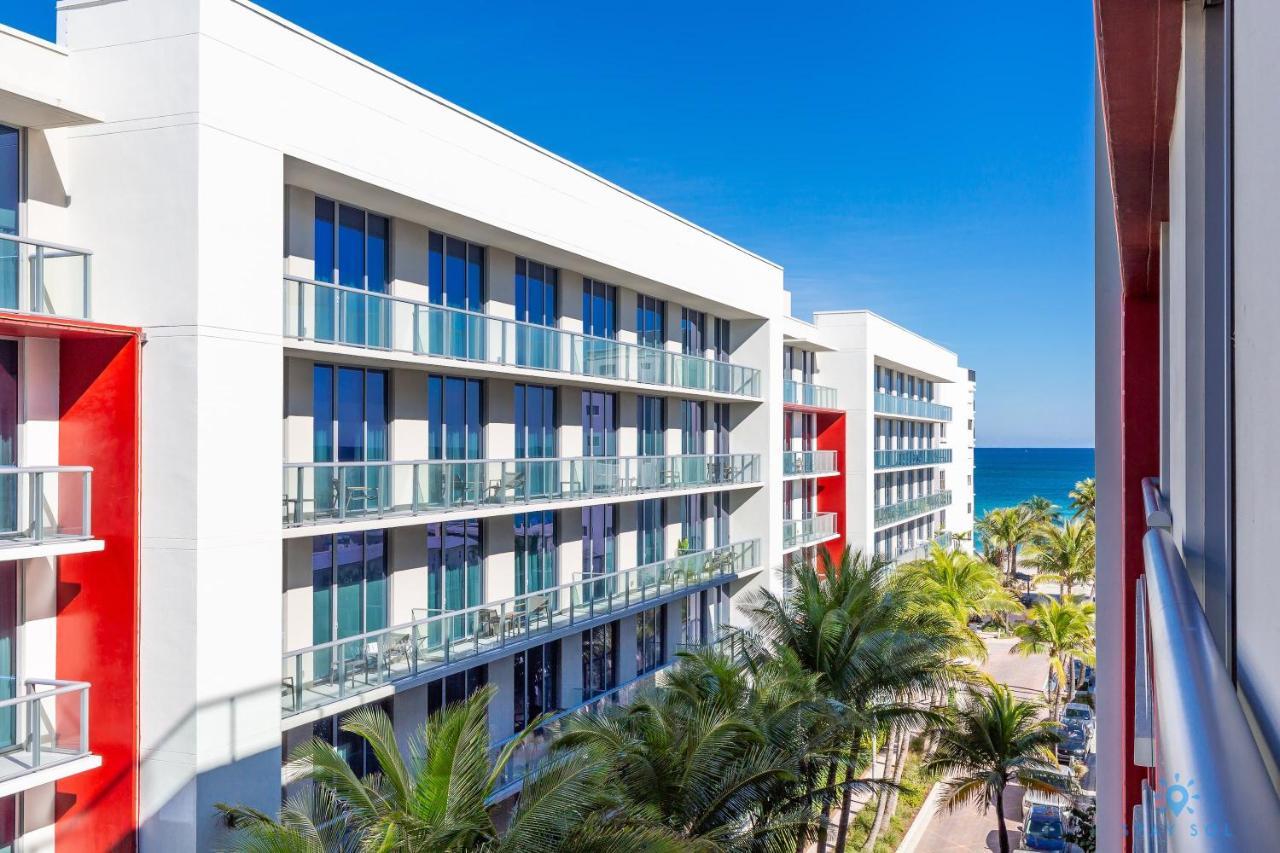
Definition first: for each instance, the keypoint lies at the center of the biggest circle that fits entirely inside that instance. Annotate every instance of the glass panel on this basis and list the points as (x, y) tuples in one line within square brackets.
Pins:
[(8, 651), (322, 598), (326, 263)]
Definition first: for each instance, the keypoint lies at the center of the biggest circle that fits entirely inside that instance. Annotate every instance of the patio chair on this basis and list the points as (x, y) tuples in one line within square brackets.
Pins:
[(510, 483)]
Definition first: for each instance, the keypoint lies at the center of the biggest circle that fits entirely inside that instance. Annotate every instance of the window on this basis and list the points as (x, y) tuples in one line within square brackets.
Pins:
[(720, 519), (538, 304), (599, 424), (535, 415), (650, 625), (352, 249), (456, 280), (691, 621), (8, 654), (10, 195), (693, 519), (354, 749), (349, 424), (598, 539), (599, 309), (599, 660), (348, 590), (9, 385), (651, 419), (455, 576), (651, 532), (721, 342), (535, 551), (693, 437), (455, 426), (720, 427), (455, 688), (693, 337), (537, 683), (651, 322)]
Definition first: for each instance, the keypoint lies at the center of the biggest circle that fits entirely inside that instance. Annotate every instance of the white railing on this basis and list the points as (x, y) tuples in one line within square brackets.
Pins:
[(1213, 792), (39, 277), (911, 457), (808, 394), (808, 529), (47, 725), (809, 463), (316, 492), (902, 510), (327, 672), (893, 404), (331, 313), (44, 504)]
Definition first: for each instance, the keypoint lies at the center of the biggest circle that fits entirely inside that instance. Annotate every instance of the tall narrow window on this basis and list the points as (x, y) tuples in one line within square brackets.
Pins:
[(535, 551), (354, 749), (348, 590), (693, 436), (598, 539), (651, 531), (722, 342), (8, 651), (693, 517), (349, 424), (599, 424), (9, 431), (455, 280), (535, 421), (352, 250), (537, 306), (10, 194), (693, 335), (536, 682), (651, 421), (720, 427), (720, 519), (650, 625), (651, 322), (455, 688), (599, 309), (454, 575), (455, 431), (599, 660)]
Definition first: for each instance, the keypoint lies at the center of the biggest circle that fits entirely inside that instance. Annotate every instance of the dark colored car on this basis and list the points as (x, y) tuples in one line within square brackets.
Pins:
[(1073, 743), (1044, 829)]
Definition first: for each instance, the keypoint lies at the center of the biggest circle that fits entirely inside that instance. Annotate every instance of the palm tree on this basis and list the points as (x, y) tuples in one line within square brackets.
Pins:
[(874, 649), (1007, 530), (996, 740), (1066, 555), (961, 586), (438, 798), (705, 757), (1084, 499), (1061, 629), (1043, 511)]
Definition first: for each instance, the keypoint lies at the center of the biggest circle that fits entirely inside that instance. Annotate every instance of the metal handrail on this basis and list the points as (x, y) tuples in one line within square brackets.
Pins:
[(807, 463), (46, 244), (807, 529), (61, 687), (1154, 506), (748, 548), (907, 457), (1201, 731), (896, 404), (809, 394), (749, 386), (902, 510), (36, 531), (34, 292)]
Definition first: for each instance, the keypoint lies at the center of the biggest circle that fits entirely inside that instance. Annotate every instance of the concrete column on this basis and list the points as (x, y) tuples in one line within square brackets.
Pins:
[(500, 558), (500, 281), (502, 705), (626, 649), (407, 568)]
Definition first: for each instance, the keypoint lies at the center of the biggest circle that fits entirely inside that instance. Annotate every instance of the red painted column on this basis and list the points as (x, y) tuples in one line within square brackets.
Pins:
[(97, 624), (831, 490)]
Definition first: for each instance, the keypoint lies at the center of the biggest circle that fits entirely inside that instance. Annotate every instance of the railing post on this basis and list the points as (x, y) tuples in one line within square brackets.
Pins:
[(84, 720), (297, 682), (37, 517), (88, 292), (87, 504), (33, 727)]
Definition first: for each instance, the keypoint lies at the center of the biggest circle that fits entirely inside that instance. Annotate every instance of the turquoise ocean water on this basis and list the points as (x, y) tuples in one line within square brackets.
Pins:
[(1004, 476)]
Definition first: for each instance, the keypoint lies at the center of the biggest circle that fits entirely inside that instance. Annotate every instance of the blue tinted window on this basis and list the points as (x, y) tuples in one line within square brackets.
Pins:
[(322, 413), (455, 418), (435, 268), (324, 236), (535, 421), (599, 309), (350, 246), (535, 551), (455, 273), (379, 273)]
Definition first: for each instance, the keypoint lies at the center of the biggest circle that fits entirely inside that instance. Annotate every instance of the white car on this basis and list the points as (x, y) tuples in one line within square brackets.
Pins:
[(1075, 712)]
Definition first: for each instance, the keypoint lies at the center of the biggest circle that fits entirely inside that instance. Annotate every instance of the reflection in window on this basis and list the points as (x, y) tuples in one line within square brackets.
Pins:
[(348, 592), (650, 625), (535, 551), (599, 660), (354, 749), (651, 531), (537, 304), (454, 574), (651, 419), (651, 322), (352, 249), (536, 682), (455, 688)]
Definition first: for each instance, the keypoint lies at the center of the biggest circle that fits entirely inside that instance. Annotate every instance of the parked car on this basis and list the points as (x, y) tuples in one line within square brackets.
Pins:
[(1064, 786), (1076, 740), (1044, 828), (1078, 712)]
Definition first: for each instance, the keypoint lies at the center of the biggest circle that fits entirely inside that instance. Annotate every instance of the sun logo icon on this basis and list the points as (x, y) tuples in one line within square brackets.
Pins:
[(1178, 796)]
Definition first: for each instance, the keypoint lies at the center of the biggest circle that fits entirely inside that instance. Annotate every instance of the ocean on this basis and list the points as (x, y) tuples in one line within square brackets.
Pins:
[(1005, 476)]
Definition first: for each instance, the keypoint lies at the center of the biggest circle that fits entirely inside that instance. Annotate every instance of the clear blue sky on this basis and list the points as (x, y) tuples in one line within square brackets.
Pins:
[(931, 161)]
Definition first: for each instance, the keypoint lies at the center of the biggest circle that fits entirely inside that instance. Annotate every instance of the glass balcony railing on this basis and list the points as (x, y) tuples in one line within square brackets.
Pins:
[(317, 492), (901, 511), (327, 672), (43, 505), (39, 277), (329, 313), (808, 463), (892, 404), (815, 527), (913, 457), (919, 549), (46, 726), (804, 394)]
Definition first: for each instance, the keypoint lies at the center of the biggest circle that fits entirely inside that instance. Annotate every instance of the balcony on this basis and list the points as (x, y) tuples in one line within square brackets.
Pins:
[(44, 735), (809, 463), (920, 550), (892, 404), (805, 394), (1188, 718), (39, 277), (808, 530), (901, 511), (332, 314), (913, 458), (45, 511), (336, 492), (441, 642)]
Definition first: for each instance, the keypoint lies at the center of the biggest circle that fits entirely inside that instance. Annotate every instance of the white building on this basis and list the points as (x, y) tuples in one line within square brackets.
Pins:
[(499, 386)]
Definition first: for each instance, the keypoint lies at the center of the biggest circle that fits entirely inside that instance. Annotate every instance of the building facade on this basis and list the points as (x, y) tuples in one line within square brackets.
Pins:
[(1187, 307), (529, 429)]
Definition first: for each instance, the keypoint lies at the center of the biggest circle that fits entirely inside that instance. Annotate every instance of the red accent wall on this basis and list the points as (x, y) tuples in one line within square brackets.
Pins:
[(98, 593), (832, 494)]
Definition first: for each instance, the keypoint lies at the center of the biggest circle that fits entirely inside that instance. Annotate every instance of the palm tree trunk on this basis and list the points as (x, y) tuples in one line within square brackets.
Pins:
[(884, 798), (843, 835), (1003, 830), (808, 775), (846, 803), (824, 816), (899, 767)]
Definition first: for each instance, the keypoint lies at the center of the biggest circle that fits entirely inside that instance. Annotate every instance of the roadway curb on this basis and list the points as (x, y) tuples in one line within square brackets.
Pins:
[(928, 809)]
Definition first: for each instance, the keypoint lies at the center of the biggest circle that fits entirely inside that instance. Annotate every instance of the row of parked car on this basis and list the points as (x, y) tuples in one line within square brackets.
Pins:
[(1048, 818)]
